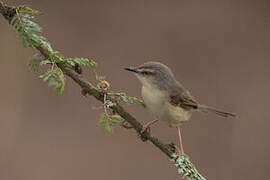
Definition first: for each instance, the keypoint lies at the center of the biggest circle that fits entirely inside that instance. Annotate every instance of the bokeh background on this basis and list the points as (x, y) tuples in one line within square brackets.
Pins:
[(218, 49)]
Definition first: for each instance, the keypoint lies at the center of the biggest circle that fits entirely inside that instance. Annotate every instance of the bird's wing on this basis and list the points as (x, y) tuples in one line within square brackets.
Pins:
[(182, 97)]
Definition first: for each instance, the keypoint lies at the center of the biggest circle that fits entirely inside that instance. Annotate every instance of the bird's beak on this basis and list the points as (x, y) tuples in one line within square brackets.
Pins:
[(132, 69)]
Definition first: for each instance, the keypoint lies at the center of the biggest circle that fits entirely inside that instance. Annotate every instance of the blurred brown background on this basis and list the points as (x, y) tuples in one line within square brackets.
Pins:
[(217, 49)]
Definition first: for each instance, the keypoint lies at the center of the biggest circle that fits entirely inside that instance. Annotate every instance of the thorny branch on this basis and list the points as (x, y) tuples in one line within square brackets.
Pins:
[(168, 149)]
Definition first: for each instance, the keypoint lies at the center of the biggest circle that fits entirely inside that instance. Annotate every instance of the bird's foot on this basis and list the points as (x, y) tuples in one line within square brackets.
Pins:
[(146, 127)]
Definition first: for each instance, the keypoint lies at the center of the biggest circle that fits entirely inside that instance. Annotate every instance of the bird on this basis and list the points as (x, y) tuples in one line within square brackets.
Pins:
[(167, 99)]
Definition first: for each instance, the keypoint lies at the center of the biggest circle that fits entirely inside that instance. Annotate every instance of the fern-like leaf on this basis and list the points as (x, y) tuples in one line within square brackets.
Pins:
[(34, 62), (55, 78), (107, 122), (85, 62), (28, 10)]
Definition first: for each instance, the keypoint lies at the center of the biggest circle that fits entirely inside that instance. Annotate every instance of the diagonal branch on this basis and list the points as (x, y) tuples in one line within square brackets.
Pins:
[(168, 149)]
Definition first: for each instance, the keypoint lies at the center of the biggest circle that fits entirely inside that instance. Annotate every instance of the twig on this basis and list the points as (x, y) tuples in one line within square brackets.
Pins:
[(8, 13)]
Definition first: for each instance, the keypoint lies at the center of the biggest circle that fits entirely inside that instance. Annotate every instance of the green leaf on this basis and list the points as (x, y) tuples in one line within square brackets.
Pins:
[(137, 100), (116, 119), (93, 63), (28, 16), (14, 20), (27, 9), (34, 39), (63, 82), (55, 79), (25, 27), (85, 62), (45, 62), (16, 24), (19, 28), (31, 26), (108, 121), (46, 43), (70, 61), (56, 57), (104, 122), (34, 62), (23, 39)]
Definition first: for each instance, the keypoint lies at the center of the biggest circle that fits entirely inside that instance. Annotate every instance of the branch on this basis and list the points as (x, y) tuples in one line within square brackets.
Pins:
[(8, 13), (19, 18)]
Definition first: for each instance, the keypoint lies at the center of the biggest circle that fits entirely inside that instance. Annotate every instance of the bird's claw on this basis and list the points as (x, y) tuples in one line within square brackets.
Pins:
[(142, 134), (145, 128)]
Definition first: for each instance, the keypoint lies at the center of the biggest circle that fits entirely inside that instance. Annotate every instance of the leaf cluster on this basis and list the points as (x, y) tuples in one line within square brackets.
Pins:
[(82, 61), (23, 24), (55, 79), (107, 122), (27, 30), (108, 119)]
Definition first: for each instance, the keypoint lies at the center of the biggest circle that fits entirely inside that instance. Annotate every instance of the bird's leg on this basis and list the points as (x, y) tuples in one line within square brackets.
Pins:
[(180, 140), (147, 125)]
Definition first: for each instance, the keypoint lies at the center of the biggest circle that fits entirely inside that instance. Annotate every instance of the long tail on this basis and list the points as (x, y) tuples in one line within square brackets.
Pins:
[(204, 108)]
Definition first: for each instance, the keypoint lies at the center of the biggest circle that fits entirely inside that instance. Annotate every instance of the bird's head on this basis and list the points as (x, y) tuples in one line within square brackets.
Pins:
[(153, 73)]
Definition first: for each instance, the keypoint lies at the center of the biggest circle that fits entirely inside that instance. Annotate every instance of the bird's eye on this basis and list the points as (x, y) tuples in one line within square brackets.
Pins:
[(145, 73)]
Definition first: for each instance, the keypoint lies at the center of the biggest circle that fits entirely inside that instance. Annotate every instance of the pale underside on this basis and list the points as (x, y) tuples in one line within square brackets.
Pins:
[(158, 103)]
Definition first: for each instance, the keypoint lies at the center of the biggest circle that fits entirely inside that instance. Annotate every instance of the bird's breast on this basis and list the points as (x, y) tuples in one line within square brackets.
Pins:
[(157, 101), (154, 100)]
